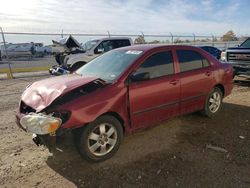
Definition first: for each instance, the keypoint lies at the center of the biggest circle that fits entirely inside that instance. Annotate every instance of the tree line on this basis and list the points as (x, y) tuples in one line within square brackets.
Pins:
[(228, 36)]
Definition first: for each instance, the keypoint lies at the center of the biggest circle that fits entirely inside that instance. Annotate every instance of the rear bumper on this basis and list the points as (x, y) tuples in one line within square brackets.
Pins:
[(228, 89)]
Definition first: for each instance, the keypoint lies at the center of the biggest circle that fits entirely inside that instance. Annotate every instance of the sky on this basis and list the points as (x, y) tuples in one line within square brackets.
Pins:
[(202, 17)]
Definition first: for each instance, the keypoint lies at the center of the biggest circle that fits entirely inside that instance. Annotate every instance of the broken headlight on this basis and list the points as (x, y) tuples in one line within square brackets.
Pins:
[(40, 124)]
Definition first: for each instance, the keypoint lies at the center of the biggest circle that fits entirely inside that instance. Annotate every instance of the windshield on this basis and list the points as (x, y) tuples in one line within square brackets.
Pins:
[(90, 44), (246, 44), (110, 65)]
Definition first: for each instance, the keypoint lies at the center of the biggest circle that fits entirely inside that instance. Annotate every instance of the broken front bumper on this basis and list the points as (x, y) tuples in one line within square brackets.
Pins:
[(42, 126), (46, 140)]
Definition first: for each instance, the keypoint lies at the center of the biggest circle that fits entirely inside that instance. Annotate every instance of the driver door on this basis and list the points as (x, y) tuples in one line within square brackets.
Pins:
[(157, 98)]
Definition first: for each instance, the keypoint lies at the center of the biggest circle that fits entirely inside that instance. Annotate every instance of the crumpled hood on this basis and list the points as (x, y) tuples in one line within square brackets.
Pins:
[(42, 93)]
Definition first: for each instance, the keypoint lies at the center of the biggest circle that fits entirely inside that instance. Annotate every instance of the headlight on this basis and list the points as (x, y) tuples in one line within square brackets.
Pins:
[(40, 124), (223, 56)]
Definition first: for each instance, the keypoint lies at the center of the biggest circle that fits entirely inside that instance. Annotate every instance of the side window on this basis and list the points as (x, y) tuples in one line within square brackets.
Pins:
[(205, 62), (157, 65), (191, 60), (105, 46), (121, 43)]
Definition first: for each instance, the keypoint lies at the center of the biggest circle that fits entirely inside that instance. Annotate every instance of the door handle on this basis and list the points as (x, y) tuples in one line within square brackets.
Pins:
[(174, 82), (208, 73)]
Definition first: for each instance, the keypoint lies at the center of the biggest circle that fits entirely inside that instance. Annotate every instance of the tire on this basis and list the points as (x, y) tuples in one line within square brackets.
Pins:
[(100, 139), (213, 103), (76, 66)]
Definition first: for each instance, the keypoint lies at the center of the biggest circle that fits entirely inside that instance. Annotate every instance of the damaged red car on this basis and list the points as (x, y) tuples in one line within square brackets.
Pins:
[(121, 91)]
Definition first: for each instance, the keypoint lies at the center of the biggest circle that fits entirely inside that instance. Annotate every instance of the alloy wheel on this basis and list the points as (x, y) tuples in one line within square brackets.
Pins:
[(102, 139), (214, 102)]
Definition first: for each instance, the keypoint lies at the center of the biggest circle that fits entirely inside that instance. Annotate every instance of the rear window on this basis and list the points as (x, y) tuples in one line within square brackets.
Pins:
[(191, 60)]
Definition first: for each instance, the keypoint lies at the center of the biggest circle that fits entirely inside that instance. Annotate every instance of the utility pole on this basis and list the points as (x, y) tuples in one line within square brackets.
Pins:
[(7, 56), (108, 34)]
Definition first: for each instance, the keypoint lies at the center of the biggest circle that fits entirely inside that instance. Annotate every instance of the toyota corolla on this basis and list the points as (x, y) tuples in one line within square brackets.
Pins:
[(122, 91)]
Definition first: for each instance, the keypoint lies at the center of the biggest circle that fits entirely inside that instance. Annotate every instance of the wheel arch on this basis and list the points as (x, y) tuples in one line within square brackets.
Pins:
[(221, 87), (117, 116)]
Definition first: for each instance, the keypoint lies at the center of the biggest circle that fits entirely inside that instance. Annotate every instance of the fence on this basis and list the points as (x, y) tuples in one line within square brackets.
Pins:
[(46, 38), (149, 38)]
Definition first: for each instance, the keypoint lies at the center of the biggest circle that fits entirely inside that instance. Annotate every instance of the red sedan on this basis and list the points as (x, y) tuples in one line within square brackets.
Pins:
[(121, 91)]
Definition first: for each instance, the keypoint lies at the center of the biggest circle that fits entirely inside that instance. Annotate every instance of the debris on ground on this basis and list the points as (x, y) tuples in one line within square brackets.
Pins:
[(216, 148), (242, 137)]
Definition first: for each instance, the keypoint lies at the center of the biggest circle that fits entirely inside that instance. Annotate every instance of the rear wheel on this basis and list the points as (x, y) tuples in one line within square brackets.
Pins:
[(213, 103), (100, 139)]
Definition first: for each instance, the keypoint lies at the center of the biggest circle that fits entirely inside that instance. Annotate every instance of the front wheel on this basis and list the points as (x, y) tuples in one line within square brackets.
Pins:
[(213, 103), (100, 139)]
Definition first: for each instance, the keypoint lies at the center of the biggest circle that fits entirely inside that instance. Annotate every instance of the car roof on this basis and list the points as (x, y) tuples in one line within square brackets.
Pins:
[(148, 47), (114, 38)]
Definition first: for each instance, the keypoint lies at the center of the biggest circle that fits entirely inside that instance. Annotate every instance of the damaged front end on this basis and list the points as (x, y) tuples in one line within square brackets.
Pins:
[(40, 113), (43, 127)]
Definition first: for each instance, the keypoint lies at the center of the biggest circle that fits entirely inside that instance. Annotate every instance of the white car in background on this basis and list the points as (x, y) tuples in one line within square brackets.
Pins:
[(94, 48), (17, 50)]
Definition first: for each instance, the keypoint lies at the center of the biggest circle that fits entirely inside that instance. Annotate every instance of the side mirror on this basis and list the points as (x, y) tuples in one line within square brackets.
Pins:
[(100, 50), (137, 77)]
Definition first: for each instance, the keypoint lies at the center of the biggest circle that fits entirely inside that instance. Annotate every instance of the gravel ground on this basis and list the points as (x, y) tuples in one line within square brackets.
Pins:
[(172, 154)]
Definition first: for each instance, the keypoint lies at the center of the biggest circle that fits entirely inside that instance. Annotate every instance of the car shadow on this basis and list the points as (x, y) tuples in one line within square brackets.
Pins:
[(141, 150)]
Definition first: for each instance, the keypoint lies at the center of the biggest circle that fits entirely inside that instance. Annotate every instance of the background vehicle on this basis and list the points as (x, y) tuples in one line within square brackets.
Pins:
[(239, 57), (65, 47), (121, 91), (25, 50), (93, 49), (17, 50), (90, 50), (41, 51), (213, 51)]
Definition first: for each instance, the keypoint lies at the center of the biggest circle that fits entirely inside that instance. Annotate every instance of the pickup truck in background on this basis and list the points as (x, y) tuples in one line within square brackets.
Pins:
[(239, 58)]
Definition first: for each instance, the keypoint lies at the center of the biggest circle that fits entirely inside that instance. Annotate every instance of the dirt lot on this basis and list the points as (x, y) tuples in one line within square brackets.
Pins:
[(173, 154)]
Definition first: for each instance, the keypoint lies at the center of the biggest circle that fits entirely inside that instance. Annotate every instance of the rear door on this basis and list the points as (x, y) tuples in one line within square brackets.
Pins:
[(155, 99), (196, 78)]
